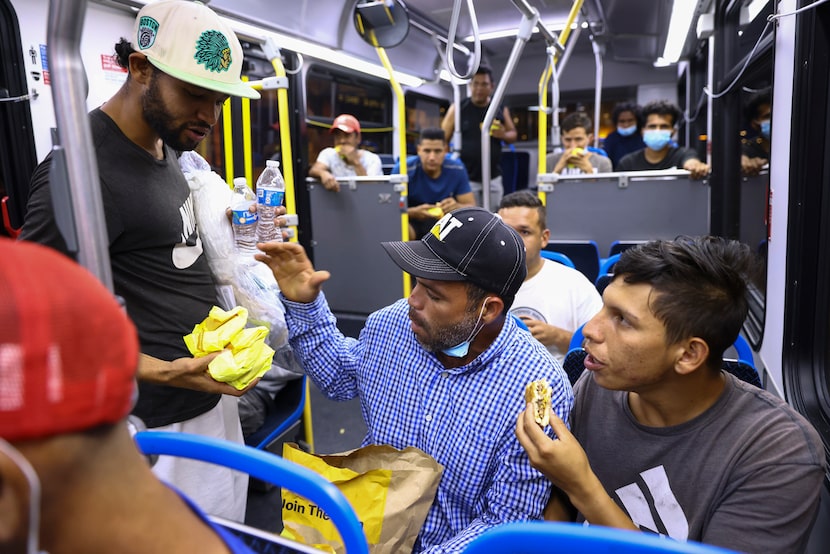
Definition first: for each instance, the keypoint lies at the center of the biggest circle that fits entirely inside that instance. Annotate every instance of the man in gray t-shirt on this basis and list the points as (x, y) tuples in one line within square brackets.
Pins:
[(662, 439)]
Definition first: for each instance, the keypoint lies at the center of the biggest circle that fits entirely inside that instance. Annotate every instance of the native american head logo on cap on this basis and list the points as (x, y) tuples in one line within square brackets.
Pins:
[(214, 51)]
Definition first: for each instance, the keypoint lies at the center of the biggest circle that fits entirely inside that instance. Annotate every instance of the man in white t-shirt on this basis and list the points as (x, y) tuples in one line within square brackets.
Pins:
[(554, 299), (345, 159)]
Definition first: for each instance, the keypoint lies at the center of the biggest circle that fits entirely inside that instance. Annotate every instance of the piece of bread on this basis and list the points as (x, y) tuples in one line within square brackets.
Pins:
[(538, 395)]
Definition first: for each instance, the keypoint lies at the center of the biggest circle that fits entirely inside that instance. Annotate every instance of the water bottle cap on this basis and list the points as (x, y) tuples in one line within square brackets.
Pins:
[(240, 182), (272, 163)]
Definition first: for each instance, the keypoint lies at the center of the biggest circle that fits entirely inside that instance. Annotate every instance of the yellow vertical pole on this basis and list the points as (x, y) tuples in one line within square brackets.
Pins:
[(227, 139), (401, 124), (543, 94), (285, 143), (247, 154)]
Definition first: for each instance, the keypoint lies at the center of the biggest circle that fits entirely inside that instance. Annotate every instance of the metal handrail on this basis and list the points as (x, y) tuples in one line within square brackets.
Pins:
[(80, 172)]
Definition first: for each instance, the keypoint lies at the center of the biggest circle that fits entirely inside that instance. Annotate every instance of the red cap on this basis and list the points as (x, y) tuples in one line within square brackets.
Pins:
[(346, 123), (68, 352)]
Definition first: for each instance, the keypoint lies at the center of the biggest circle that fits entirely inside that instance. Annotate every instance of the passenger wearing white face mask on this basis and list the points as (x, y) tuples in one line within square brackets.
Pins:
[(659, 153), (626, 138)]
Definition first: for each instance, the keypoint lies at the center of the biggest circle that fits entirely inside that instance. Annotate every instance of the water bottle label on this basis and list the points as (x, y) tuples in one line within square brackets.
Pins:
[(270, 197), (244, 217)]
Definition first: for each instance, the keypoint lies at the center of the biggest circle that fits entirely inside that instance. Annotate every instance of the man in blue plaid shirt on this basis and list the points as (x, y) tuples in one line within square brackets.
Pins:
[(444, 370)]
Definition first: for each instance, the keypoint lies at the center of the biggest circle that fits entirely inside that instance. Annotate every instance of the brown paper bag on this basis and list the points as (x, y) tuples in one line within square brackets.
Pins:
[(390, 490)]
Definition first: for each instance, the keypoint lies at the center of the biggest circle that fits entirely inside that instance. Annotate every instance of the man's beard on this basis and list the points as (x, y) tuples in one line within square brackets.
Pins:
[(445, 336), (158, 118)]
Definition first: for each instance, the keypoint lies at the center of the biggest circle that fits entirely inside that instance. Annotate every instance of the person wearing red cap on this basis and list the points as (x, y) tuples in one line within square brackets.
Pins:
[(71, 478), (183, 62), (344, 159)]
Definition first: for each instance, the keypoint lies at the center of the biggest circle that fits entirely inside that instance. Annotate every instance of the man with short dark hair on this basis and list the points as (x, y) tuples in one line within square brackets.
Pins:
[(183, 62), (663, 440), (345, 158), (661, 119), (71, 478), (473, 110), (438, 183), (554, 300), (444, 370), (578, 156)]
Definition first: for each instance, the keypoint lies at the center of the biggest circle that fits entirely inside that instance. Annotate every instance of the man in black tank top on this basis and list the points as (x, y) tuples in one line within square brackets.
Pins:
[(473, 110)]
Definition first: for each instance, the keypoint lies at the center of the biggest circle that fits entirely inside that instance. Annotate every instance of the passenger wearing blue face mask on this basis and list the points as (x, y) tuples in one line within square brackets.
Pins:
[(755, 150), (626, 138), (659, 153), (443, 370)]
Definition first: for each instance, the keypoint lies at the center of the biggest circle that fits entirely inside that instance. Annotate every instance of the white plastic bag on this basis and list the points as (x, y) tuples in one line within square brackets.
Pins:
[(252, 283)]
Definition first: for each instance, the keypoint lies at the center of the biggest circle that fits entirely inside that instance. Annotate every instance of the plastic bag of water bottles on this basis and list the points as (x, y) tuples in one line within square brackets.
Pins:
[(242, 280)]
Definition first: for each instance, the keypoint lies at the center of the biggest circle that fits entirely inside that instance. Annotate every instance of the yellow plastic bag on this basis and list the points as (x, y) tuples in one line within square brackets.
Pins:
[(390, 490), (244, 357)]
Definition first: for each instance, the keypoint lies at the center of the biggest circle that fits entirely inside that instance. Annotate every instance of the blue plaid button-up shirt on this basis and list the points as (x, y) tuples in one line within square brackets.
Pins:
[(464, 417)]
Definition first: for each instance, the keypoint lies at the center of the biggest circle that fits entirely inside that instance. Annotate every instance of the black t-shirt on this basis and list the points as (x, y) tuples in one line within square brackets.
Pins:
[(676, 157), (158, 265), (471, 118), (754, 148)]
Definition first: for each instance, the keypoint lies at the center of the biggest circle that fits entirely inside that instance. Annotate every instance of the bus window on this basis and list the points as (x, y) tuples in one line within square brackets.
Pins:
[(421, 112), (330, 93)]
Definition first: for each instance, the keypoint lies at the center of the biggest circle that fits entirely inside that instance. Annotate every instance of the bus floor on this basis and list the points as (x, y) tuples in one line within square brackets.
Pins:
[(337, 427)]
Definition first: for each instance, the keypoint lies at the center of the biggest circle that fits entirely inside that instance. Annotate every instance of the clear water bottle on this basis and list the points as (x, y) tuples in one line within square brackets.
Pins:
[(270, 191), (244, 221)]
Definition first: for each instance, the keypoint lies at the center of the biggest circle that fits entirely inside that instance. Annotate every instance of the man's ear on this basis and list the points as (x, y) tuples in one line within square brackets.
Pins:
[(140, 68), (13, 506), (693, 355), (492, 309), (545, 236)]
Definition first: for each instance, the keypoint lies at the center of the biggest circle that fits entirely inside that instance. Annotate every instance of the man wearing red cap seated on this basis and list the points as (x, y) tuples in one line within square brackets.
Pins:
[(71, 479), (344, 159)]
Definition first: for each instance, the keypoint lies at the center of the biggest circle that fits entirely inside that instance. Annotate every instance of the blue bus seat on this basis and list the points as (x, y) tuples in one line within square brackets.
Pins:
[(515, 170), (583, 253), (558, 257), (607, 264), (387, 162), (285, 412), (618, 246), (743, 368), (532, 537), (264, 466), (521, 324)]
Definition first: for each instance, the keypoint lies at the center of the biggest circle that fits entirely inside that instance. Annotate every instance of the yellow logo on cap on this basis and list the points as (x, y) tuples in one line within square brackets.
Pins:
[(444, 227), (214, 51)]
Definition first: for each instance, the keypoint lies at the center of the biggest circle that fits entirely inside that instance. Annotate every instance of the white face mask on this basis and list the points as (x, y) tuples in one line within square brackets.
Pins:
[(463, 348), (34, 494)]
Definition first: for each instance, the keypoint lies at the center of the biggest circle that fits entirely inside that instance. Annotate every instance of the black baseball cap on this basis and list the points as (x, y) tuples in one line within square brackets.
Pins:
[(468, 244)]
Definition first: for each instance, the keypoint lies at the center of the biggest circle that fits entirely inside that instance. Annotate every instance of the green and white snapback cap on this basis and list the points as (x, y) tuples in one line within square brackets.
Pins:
[(188, 41)]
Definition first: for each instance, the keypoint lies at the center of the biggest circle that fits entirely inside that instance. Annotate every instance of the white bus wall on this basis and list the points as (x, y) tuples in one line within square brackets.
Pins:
[(103, 27)]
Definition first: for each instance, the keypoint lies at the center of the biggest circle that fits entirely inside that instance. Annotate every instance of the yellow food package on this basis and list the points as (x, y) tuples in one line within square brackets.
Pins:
[(436, 212), (216, 330), (244, 355)]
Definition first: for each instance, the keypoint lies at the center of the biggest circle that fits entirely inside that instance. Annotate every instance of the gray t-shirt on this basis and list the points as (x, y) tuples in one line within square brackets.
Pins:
[(746, 474)]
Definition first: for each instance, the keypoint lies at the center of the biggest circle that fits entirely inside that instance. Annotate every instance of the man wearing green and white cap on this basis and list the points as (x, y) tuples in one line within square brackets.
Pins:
[(182, 62)]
